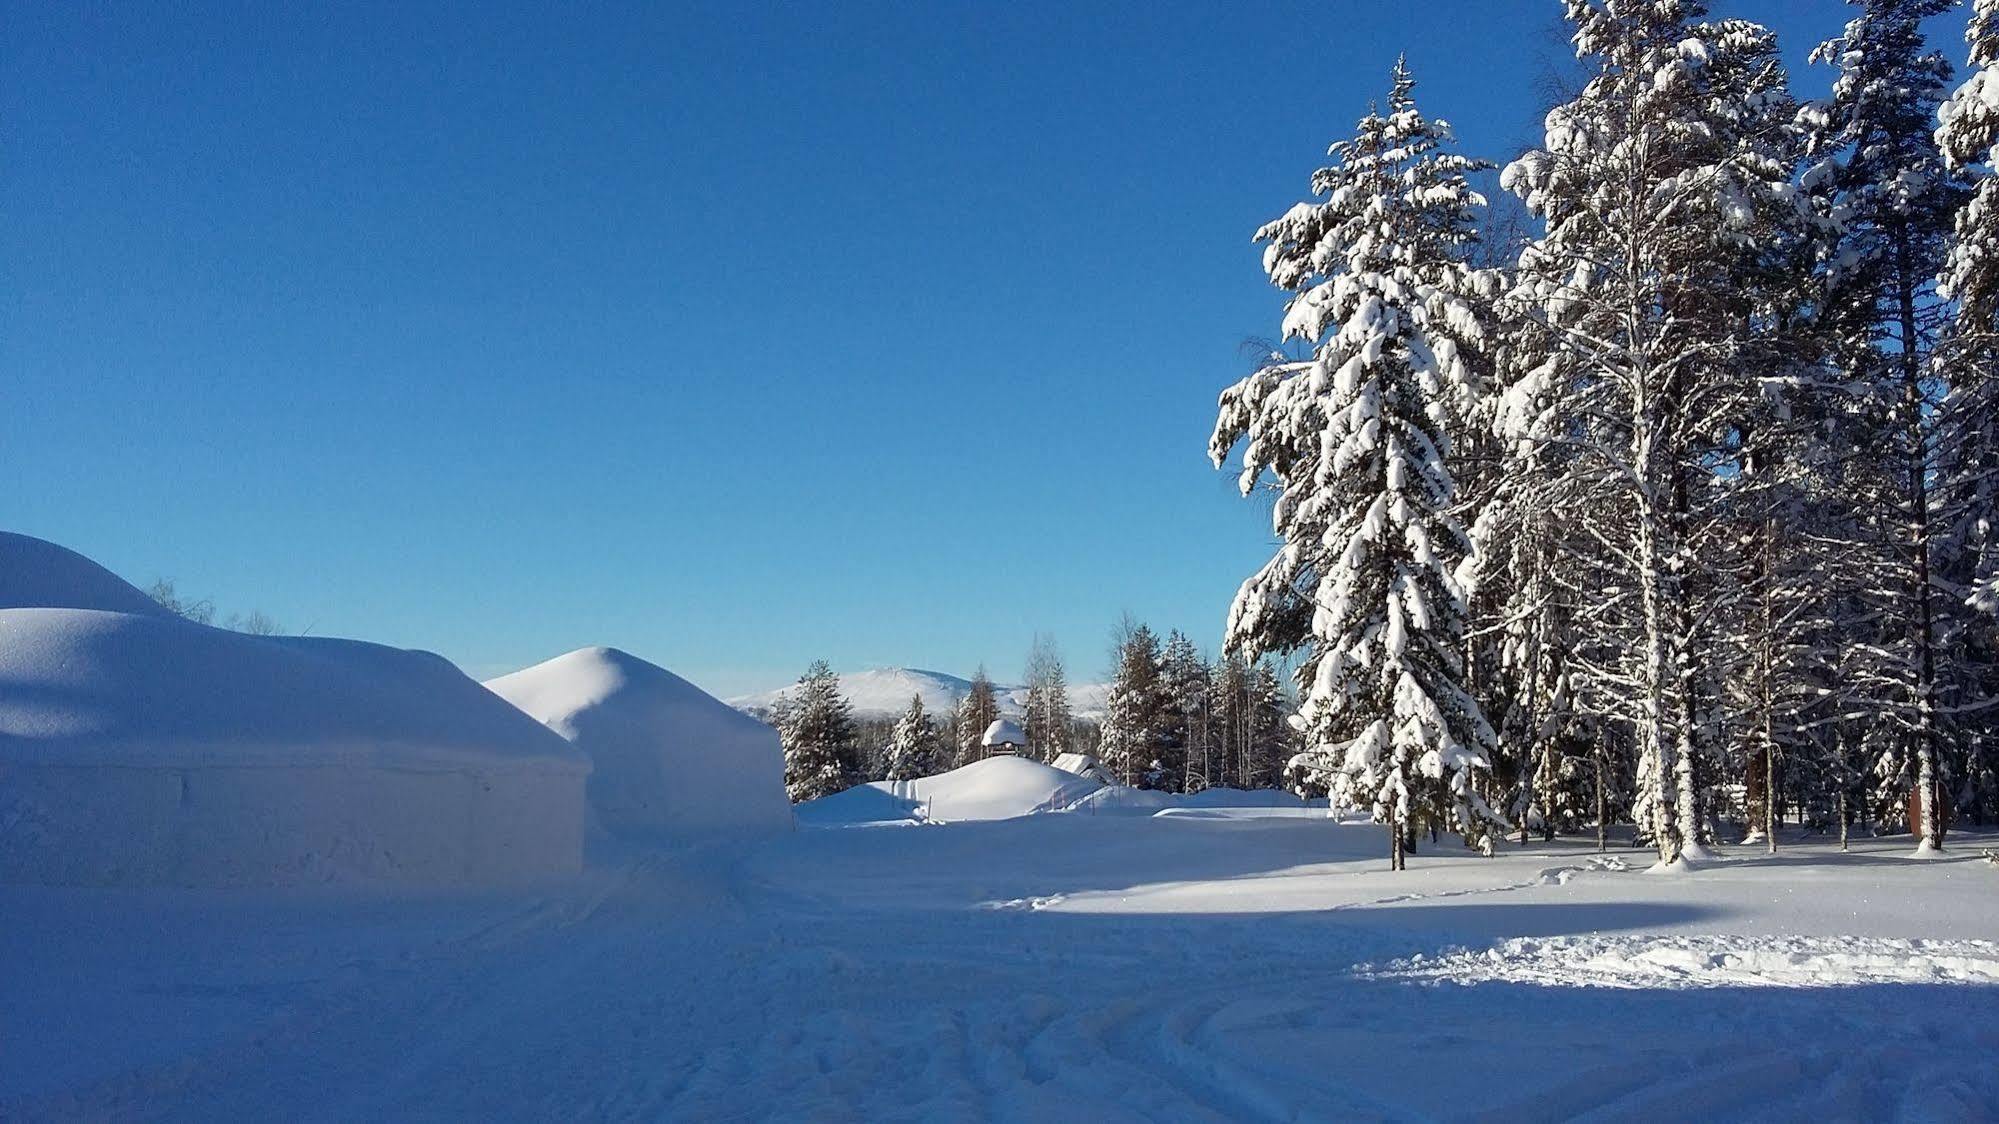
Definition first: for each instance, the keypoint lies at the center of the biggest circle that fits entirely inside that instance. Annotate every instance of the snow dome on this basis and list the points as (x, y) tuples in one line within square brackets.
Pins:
[(667, 757), (140, 748)]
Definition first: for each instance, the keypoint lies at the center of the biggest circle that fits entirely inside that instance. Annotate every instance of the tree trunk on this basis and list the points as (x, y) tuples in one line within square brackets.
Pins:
[(1919, 542)]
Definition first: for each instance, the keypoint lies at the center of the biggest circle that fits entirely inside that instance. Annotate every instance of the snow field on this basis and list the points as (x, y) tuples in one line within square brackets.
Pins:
[(1053, 966)]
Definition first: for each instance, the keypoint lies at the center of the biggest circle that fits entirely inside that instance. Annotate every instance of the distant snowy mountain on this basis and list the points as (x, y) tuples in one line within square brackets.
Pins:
[(885, 693)]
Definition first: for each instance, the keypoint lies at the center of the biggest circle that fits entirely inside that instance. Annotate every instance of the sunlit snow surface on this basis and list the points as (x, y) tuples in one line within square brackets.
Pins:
[(1229, 965)]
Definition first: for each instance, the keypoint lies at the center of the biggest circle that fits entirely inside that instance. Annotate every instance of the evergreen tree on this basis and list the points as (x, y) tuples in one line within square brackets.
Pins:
[(816, 728), (1656, 185), (1183, 679), (1885, 178), (1969, 139), (1134, 711), (1272, 742), (1187, 680), (1233, 720), (914, 750), (1365, 583), (978, 710), (1968, 420)]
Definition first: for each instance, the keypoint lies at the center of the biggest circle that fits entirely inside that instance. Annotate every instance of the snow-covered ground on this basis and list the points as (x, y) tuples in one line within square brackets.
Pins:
[(1233, 964)]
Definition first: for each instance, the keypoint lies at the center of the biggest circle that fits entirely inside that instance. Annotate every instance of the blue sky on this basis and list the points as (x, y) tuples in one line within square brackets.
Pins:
[(735, 335)]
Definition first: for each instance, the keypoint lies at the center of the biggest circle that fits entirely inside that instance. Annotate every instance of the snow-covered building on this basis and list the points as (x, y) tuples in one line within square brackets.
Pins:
[(1084, 765), (1004, 736), (667, 758), (140, 748)]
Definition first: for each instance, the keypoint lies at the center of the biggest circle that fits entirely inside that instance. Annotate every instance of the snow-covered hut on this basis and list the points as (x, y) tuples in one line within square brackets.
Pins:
[(140, 748), (1004, 736), (1084, 765)]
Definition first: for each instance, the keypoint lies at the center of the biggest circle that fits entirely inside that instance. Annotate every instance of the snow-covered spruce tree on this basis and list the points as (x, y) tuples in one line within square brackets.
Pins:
[(1188, 713), (1355, 437), (1543, 747), (1231, 720), (1183, 686), (1133, 711), (1272, 741), (1885, 179), (914, 749), (1655, 184), (1968, 421), (816, 727), (976, 711), (1968, 135), (1047, 715)]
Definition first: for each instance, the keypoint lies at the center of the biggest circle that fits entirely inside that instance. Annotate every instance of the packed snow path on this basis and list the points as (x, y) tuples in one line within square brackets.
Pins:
[(1068, 966)]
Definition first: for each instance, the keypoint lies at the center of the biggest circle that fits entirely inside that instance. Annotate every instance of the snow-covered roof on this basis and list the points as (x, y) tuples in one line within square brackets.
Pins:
[(41, 575), (103, 676), (1003, 731)]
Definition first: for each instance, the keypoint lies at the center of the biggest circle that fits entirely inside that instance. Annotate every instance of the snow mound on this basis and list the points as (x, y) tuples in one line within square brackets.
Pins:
[(41, 575), (668, 758), (1707, 961), (140, 748), (998, 788)]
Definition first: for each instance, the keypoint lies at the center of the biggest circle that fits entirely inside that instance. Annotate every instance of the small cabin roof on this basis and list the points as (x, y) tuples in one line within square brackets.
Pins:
[(1003, 731)]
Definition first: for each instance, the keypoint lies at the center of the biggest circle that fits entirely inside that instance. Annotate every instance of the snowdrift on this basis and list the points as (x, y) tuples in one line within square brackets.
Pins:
[(998, 788), (667, 757), (140, 748)]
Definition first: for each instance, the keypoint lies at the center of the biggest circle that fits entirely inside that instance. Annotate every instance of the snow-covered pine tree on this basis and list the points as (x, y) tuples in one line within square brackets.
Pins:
[(1133, 717), (1272, 741), (1183, 689), (1654, 184), (1231, 719), (1968, 421), (976, 711), (914, 750), (1968, 135), (1189, 713), (816, 727), (1047, 715), (1885, 178), (1541, 740), (1356, 439)]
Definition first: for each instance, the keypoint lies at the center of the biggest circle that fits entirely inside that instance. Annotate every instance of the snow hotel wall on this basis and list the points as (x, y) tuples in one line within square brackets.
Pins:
[(137, 748)]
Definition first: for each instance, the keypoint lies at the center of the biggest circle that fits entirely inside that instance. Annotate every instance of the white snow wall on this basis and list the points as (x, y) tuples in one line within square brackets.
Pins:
[(99, 825)]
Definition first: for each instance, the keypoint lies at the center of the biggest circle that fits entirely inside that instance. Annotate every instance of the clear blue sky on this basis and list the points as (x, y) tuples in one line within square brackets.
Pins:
[(735, 335)]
